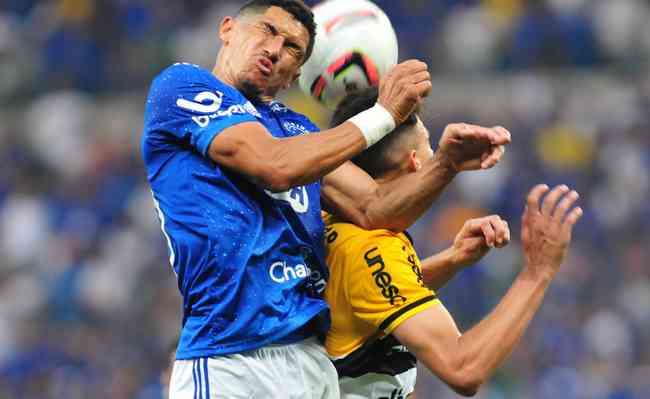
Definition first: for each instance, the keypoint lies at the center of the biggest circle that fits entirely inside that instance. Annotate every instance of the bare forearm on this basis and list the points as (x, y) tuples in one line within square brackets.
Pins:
[(279, 164), (308, 158), (486, 345), (400, 202), (438, 269)]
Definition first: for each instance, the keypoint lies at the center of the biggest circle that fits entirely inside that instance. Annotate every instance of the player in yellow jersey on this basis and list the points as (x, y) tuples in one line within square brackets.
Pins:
[(385, 313)]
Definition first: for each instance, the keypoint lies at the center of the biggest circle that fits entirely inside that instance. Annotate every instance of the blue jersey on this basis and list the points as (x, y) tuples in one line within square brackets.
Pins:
[(249, 262)]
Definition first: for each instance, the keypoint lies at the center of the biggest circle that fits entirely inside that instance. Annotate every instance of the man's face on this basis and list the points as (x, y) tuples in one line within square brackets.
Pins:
[(264, 51)]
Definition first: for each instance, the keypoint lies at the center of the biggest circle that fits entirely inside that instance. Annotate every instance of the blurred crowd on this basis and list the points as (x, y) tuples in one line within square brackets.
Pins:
[(88, 302)]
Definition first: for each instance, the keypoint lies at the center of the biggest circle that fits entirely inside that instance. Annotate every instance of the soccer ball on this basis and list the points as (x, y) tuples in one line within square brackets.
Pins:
[(355, 46)]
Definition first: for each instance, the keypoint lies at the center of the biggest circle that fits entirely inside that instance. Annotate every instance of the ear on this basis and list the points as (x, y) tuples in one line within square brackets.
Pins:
[(414, 163), (226, 29), (294, 78)]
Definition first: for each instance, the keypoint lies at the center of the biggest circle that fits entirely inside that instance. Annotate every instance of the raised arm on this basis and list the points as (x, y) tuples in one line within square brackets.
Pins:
[(354, 196), (475, 239), (466, 361), (279, 164)]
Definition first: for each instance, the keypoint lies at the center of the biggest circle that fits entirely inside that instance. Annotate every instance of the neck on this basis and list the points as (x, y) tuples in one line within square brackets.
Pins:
[(221, 72)]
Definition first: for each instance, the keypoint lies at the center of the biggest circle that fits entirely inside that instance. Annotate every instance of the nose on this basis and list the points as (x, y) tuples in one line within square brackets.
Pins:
[(274, 47)]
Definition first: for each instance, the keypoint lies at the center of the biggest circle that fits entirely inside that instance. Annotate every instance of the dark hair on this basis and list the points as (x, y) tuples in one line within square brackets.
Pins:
[(300, 11), (375, 160)]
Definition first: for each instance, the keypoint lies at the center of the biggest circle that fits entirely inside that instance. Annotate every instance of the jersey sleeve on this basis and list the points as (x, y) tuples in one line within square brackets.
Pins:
[(384, 288), (188, 104)]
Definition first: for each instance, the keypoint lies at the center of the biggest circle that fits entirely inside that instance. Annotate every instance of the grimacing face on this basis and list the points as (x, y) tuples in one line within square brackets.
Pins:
[(264, 50)]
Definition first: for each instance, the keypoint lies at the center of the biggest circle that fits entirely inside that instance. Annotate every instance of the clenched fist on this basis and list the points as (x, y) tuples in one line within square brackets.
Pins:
[(471, 147), (477, 237)]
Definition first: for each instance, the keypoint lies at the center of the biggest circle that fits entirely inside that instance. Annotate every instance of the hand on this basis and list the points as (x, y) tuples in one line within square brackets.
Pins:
[(477, 237), (403, 88), (470, 147), (546, 231)]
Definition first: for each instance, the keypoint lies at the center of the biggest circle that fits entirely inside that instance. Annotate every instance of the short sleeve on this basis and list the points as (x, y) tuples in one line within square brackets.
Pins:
[(384, 289), (189, 104)]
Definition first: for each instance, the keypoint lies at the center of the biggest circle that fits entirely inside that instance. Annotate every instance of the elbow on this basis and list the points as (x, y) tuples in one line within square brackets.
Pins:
[(278, 171), (370, 219), (468, 390), (467, 382), (362, 220), (373, 217), (373, 222), (465, 379), (275, 179)]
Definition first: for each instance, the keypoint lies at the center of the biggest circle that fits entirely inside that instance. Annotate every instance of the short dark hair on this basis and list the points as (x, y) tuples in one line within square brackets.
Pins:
[(375, 160), (300, 11)]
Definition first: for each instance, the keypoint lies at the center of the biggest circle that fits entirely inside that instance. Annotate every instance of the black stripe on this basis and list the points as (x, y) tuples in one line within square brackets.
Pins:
[(376, 356), (403, 310), (355, 59), (408, 235)]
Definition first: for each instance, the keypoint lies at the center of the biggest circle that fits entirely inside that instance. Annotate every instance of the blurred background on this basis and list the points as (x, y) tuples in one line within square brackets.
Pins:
[(88, 302)]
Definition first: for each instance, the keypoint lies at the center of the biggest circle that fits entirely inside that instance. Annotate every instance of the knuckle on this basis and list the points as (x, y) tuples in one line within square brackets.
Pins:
[(452, 127)]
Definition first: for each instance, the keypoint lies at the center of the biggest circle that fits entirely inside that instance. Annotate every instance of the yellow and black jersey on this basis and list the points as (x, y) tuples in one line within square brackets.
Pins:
[(375, 284)]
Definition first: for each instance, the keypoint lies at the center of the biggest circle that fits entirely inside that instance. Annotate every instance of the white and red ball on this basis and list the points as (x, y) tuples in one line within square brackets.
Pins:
[(355, 46)]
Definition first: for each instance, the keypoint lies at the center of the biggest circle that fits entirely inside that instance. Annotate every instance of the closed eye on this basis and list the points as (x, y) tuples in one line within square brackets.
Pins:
[(295, 49), (271, 29)]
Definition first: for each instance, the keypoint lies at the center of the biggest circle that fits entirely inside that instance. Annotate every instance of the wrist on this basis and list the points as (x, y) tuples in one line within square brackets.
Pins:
[(452, 258), (445, 164), (538, 272), (374, 123)]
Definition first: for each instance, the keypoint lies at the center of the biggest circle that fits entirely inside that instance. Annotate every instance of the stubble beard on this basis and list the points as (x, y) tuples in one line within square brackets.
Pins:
[(249, 90)]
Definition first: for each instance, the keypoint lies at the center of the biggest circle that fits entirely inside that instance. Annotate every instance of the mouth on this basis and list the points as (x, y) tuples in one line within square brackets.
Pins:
[(265, 66)]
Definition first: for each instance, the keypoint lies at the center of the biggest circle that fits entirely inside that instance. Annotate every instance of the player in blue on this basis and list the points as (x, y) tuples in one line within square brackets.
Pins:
[(237, 180)]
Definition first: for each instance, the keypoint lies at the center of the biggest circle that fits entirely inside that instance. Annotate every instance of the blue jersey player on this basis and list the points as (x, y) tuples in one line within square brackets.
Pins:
[(238, 179)]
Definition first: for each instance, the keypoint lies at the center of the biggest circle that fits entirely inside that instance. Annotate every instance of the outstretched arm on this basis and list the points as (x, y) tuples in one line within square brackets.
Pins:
[(466, 361), (279, 164), (354, 196), (474, 241)]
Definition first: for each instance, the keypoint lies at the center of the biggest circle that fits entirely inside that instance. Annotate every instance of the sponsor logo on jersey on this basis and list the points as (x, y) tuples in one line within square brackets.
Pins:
[(330, 234), (416, 269), (278, 107), (295, 128), (396, 394), (280, 272), (383, 279), (250, 108), (296, 197), (398, 349), (210, 103)]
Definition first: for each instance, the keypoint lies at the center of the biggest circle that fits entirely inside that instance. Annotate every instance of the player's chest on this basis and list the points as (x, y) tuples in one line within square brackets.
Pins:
[(283, 124)]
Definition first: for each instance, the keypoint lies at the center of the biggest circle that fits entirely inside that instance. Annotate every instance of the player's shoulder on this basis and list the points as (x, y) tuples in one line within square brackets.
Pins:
[(183, 72), (348, 234), (185, 76)]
